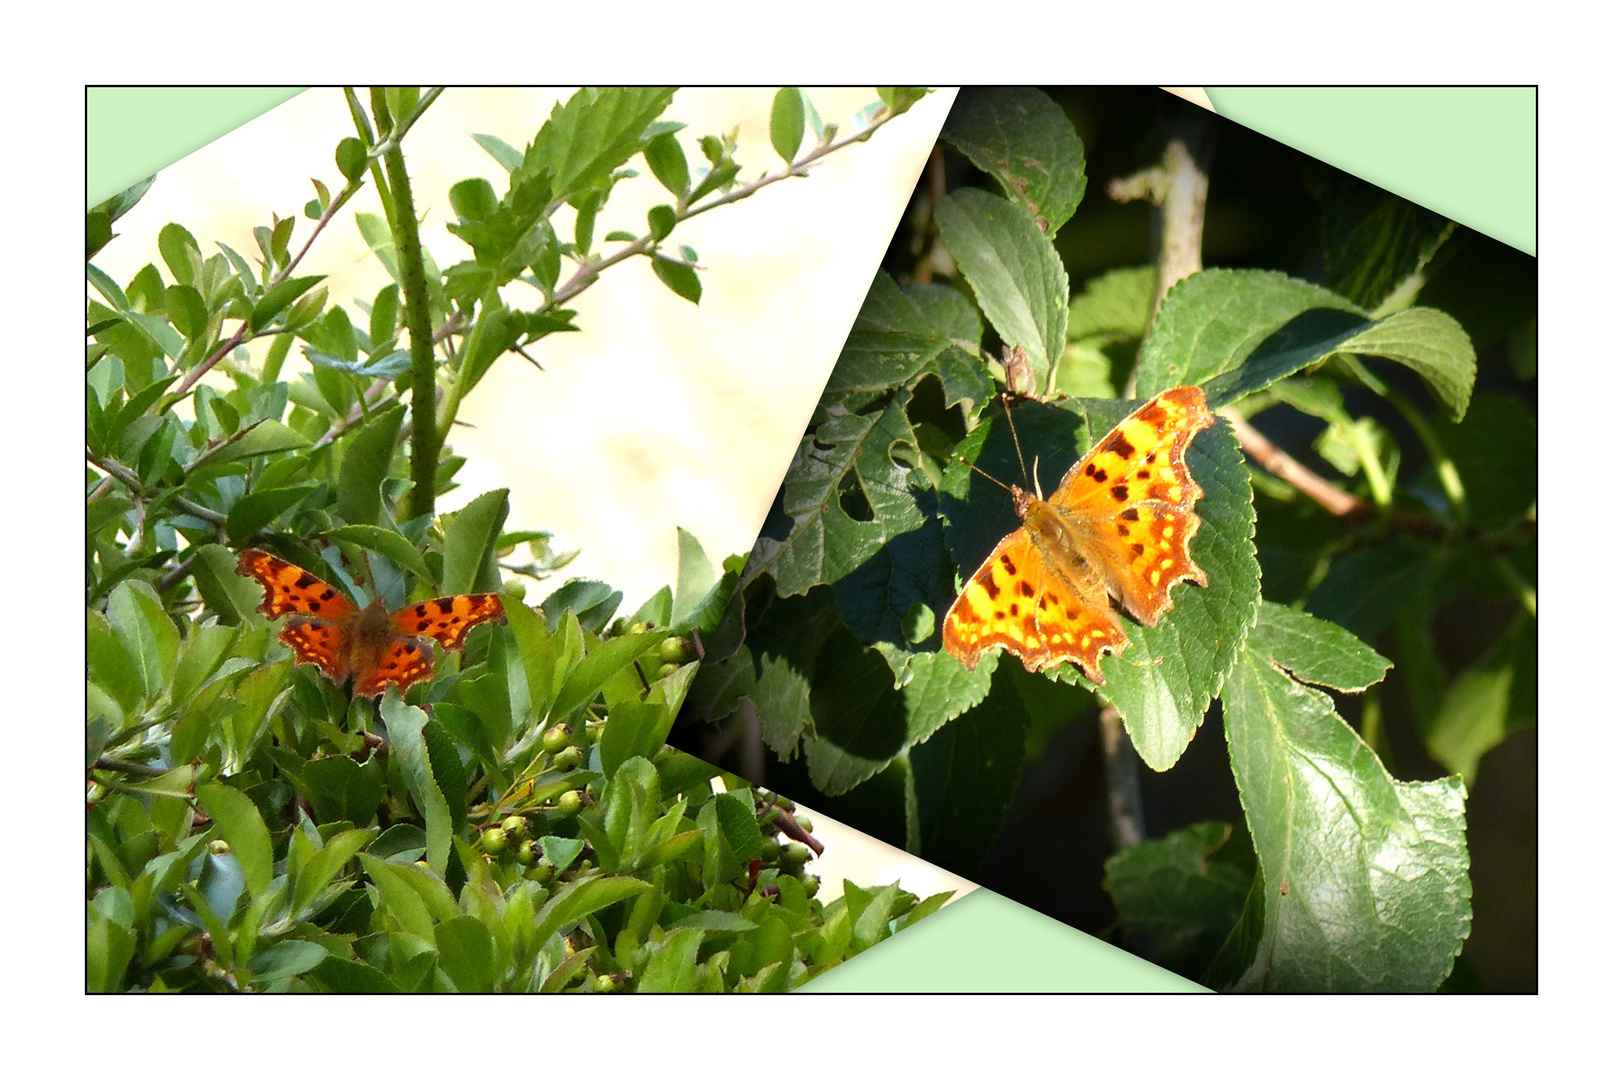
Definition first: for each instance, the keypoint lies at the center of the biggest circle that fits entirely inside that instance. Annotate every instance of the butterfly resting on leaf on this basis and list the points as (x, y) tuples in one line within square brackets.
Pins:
[(1118, 525), (375, 645)]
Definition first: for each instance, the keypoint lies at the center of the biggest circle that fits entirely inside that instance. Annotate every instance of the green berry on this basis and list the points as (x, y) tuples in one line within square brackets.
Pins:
[(568, 759), (607, 984), (516, 826), (667, 670), (219, 847), (556, 737), (810, 883), (569, 802), (528, 853), (674, 650), (642, 627), (493, 841)]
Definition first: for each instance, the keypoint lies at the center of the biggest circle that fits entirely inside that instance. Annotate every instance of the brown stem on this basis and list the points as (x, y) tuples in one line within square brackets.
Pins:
[(1293, 472), (789, 827), (1125, 800)]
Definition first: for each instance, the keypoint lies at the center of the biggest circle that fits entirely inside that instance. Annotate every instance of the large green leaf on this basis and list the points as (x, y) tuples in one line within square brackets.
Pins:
[(899, 337), (1185, 889), (1316, 651), (1019, 135), (367, 457), (1374, 241), (844, 467), (405, 725), (1362, 879), (593, 133), (1496, 695), (1163, 683), (240, 824), (144, 628), (1012, 267)]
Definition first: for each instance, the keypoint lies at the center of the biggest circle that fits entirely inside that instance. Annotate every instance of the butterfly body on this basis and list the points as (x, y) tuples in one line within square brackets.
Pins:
[(373, 645), (1118, 527)]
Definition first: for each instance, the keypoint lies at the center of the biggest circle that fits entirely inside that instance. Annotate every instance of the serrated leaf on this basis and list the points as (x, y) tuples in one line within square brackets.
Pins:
[(1020, 136), (578, 899), (1429, 342), (1163, 683), (846, 461), (593, 133), (391, 545), (1173, 889), (902, 335), (1315, 651), (1364, 880), (1238, 331), (1016, 274)]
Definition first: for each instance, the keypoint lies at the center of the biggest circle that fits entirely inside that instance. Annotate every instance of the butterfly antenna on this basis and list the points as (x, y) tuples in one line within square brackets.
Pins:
[(1016, 437), (983, 472)]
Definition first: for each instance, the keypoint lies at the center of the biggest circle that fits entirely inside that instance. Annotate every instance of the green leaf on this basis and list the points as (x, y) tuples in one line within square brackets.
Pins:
[(278, 297), (788, 124), (467, 954), (736, 819), (1493, 448), (265, 437), (201, 655), (583, 897), (1493, 697), (1251, 327), (1374, 241), (1316, 651), (260, 507), (668, 163), (661, 220), (1364, 879), (845, 466), (1016, 274), (473, 199), (185, 308), (143, 627), (368, 455), (450, 775), (634, 729), (506, 155), (350, 156), (673, 964), (109, 947), (326, 864), (391, 545), (1430, 343), (964, 777), (586, 679), (593, 133), (678, 277), (470, 545), (903, 335), (1175, 890), (1020, 136), (405, 725), (238, 820), (694, 575)]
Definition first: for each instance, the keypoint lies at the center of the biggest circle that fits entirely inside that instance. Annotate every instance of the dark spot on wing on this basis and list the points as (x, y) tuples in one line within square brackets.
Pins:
[(1119, 446), (1119, 493), (1130, 515)]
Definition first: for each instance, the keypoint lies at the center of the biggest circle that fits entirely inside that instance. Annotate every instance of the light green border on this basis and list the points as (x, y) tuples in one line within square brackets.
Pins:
[(1467, 153)]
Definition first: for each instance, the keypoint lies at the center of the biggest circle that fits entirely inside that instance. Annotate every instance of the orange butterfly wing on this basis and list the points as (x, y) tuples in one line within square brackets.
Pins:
[(447, 619), (376, 646), (1119, 525), (1016, 601)]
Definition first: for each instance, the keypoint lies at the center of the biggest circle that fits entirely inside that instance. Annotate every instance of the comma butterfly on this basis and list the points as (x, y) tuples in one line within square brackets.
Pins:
[(373, 644), (1119, 525)]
